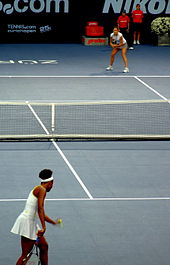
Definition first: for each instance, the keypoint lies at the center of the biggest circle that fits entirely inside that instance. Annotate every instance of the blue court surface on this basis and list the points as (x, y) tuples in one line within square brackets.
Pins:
[(113, 196)]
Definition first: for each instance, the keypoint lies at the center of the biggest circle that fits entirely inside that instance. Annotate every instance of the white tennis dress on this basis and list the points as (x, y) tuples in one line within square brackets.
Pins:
[(26, 223), (116, 39)]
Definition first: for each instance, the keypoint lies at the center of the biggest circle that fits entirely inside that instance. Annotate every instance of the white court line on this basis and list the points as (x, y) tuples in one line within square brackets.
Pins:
[(97, 199), (82, 76), (61, 153), (150, 88), (72, 170)]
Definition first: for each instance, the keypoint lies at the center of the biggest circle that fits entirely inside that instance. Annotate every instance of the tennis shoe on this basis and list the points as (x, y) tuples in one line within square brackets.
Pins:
[(109, 68), (126, 70), (131, 48), (134, 42), (138, 42)]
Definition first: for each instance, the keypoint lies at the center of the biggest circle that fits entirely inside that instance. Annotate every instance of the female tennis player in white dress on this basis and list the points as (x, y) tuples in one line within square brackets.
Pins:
[(118, 42), (26, 224)]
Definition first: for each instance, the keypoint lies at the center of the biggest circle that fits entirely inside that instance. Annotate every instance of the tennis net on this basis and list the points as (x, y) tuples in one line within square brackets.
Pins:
[(135, 119)]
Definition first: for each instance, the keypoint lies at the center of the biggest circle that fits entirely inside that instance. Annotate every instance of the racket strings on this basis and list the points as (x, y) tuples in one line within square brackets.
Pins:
[(32, 257)]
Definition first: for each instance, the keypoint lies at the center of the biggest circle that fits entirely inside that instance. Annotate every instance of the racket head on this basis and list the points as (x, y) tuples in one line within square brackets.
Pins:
[(32, 257), (33, 260)]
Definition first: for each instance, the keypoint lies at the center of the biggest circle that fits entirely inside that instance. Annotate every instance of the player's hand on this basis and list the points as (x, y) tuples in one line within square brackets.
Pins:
[(58, 221), (41, 232)]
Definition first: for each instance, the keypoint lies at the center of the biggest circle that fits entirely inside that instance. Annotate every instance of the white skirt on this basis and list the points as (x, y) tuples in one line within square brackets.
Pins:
[(25, 226)]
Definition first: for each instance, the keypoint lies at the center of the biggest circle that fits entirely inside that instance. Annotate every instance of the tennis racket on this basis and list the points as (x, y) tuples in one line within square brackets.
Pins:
[(32, 257)]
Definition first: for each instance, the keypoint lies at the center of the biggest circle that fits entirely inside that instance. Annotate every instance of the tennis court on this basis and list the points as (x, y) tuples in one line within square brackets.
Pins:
[(113, 195)]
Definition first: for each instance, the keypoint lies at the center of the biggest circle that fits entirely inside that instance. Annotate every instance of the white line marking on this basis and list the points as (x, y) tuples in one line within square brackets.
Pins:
[(153, 90), (38, 119), (83, 76), (61, 153), (72, 170), (97, 199)]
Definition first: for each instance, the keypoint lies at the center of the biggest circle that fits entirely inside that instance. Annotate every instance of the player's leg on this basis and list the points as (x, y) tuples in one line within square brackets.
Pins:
[(112, 57), (138, 37), (130, 39), (26, 246), (134, 37), (124, 50), (138, 32), (43, 246)]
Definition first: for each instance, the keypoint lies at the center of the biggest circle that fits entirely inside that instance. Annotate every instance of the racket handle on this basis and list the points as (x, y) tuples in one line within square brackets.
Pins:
[(37, 240)]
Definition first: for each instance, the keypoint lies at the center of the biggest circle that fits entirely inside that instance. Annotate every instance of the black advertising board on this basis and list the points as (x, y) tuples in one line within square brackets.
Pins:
[(57, 21)]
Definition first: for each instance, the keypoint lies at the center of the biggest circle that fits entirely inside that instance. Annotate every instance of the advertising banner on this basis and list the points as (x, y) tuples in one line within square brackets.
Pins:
[(57, 21)]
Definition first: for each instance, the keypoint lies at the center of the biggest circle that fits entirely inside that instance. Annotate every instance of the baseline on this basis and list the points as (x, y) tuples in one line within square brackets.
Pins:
[(83, 76)]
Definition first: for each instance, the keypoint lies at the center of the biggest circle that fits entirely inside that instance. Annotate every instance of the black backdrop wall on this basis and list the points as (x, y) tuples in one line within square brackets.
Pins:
[(63, 21)]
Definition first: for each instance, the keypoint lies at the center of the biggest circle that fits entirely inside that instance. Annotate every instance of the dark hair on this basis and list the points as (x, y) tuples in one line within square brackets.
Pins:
[(45, 174)]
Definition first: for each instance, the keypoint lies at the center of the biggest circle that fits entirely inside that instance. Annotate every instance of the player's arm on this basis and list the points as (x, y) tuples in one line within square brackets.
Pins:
[(111, 44), (40, 193), (110, 41), (121, 43), (41, 213), (118, 25), (128, 25), (133, 15), (51, 221)]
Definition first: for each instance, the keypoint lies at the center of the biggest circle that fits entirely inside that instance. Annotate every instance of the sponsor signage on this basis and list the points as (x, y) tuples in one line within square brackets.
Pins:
[(65, 20), (44, 62), (15, 28), (56, 6), (148, 6)]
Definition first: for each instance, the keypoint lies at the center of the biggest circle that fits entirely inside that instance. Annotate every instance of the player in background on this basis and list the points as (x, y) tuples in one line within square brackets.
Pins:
[(118, 43)]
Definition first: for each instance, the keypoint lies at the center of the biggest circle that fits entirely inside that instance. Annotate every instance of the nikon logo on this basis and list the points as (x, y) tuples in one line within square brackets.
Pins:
[(147, 6), (36, 6)]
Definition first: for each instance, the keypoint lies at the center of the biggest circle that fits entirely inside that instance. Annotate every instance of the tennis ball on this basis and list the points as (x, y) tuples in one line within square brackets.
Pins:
[(60, 221)]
